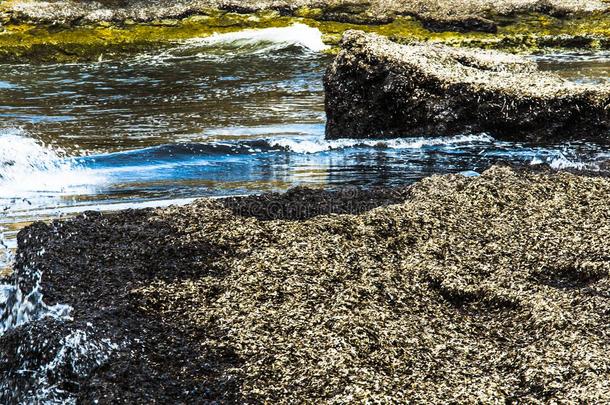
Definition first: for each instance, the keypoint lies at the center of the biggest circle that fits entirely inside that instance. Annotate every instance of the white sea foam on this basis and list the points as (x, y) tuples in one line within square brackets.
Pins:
[(559, 161), (562, 162), (18, 308), (29, 168), (316, 144), (75, 356), (299, 35)]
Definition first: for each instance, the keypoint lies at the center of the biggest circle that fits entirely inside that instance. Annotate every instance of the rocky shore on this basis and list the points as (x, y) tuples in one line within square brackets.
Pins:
[(376, 88), (66, 30), (435, 13), (457, 289)]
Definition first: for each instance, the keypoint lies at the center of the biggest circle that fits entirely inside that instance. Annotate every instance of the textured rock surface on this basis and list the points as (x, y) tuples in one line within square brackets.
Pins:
[(73, 30), (469, 14), (376, 88), (486, 289)]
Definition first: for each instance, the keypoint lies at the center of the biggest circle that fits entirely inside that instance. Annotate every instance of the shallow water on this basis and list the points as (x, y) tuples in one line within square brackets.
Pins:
[(234, 114)]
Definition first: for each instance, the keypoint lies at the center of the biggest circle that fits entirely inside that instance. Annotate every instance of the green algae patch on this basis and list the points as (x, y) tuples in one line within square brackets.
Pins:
[(530, 33), (83, 43)]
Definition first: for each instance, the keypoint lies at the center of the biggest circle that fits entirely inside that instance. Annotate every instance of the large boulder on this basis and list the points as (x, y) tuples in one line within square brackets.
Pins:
[(489, 289), (376, 88)]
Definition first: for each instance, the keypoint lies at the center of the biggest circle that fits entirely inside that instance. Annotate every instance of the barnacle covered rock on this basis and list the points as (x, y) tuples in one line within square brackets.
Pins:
[(483, 289), (377, 88)]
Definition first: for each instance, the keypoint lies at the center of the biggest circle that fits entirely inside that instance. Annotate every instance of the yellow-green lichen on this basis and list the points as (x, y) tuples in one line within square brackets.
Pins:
[(528, 33), (89, 42), (524, 33), (312, 13)]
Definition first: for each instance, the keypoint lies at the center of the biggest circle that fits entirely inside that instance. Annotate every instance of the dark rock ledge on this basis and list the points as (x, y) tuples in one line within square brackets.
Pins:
[(376, 88), (487, 289)]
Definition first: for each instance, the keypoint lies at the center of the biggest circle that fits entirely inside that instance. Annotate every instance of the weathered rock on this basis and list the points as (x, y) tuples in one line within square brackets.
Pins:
[(376, 88), (68, 30), (487, 289), (462, 16), (303, 203), (111, 351)]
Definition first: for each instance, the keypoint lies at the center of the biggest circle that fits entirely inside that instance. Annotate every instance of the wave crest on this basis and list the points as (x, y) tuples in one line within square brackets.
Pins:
[(27, 167), (266, 39), (316, 144)]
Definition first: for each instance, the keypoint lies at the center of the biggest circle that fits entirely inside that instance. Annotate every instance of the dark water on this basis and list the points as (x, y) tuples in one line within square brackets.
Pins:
[(589, 68), (213, 118)]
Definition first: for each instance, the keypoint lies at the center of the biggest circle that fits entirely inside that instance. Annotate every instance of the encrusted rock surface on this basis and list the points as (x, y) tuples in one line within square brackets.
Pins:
[(468, 14), (69, 30), (486, 289), (376, 88)]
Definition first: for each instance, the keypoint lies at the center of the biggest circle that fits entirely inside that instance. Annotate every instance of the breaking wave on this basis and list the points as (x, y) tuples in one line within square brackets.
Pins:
[(561, 162), (28, 167), (18, 308), (179, 154), (264, 42), (43, 367), (266, 39)]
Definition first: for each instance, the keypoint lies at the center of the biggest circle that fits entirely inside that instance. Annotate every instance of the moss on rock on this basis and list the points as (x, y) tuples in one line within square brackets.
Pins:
[(70, 41), (89, 42)]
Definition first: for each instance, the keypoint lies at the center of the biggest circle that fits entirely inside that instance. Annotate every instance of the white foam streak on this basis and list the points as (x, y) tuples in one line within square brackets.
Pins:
[(316, 144), (299, 35), (561, 162)]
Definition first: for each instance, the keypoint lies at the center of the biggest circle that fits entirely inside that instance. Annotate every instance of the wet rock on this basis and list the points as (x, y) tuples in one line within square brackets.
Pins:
[(471, 289), (303, 203), (468, 14), (376, 88), (109, 351), (73, 30)]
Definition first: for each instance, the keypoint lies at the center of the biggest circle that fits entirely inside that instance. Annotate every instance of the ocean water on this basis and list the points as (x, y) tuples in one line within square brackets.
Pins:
[(225, 115)]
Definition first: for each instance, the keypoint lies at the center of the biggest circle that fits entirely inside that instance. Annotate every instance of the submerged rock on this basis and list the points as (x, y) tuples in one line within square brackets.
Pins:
[(376, 88), (468, 289)]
